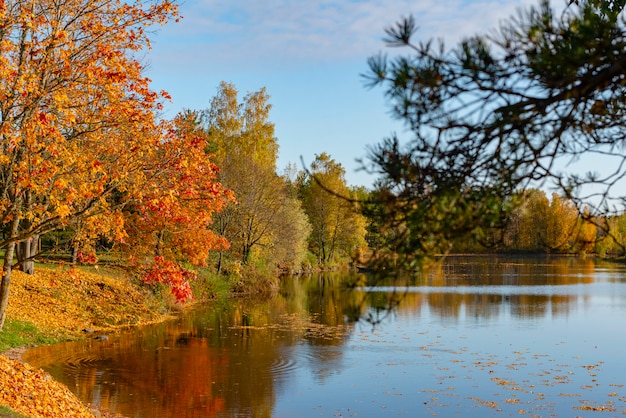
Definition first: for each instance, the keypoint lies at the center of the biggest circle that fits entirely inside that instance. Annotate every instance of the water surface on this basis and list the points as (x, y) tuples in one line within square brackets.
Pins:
[(475, 336)]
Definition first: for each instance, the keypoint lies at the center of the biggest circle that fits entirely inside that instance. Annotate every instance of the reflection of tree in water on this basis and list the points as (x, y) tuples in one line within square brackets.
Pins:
[(323, 362), (378, 306), (267, 340), (328, 304), (477, 287), (253, 349), (480, 306), (507, 270), (143, 374), (237, 357)]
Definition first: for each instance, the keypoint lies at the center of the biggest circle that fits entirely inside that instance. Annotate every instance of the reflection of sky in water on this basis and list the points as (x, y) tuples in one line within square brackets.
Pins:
[(565, 290), (464, 341), (419, 362), (419, 365)]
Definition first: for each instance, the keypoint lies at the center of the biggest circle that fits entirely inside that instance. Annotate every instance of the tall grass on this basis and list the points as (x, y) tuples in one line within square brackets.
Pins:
[(210, 285)]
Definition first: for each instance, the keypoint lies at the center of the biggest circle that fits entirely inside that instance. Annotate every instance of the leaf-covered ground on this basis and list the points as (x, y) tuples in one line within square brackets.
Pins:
[(62, 303), (34, 393)]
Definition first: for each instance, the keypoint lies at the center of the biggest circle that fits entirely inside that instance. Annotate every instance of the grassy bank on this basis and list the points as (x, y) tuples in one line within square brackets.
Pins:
[(56, 304)]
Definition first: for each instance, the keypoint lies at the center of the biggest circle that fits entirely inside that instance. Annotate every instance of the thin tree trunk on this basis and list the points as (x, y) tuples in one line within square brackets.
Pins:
[(158, 247), (219, 262), (23, 251), (245, 254), (6, 273), (74, 255)]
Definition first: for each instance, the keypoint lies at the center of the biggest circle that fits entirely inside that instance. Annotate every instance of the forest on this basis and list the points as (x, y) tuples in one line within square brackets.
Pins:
[(90, 172), (220, 204)]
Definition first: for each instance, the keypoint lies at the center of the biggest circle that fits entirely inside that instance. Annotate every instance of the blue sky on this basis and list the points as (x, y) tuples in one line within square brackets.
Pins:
[(309, 55)]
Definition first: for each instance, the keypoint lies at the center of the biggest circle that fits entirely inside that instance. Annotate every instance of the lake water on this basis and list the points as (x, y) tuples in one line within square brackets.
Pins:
[(475, 336)]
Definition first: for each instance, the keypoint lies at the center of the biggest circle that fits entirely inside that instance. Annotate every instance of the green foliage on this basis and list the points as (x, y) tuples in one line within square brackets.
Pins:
[(491, 117), (266, 226), (255, 279), (612, 236), (338, 230), (209, 285)]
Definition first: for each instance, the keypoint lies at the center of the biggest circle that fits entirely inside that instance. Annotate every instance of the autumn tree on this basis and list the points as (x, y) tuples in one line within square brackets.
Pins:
[(266, 222), (77, 117), (615, 241), (561, 224), (527, 223), (540, 224), (288, 247), (495, 114), (174, 214), (261, 207), (587, 233), (170, 222), (241, 129), (338, 230), (543, 224)]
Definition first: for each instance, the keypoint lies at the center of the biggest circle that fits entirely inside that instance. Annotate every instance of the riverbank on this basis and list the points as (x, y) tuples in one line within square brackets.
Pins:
[(61, 304)]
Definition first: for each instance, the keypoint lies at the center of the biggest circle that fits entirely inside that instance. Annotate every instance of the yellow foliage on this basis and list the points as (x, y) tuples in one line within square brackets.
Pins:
[(65, 301), (34, 393)]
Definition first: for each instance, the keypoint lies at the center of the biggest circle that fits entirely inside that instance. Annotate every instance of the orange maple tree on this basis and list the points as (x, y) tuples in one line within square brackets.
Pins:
[(170, 221), (78, 129)]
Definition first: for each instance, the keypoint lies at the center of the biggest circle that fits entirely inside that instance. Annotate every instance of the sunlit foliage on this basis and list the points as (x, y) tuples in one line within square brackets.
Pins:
[(266, 225), (79, 135), (338, 230)]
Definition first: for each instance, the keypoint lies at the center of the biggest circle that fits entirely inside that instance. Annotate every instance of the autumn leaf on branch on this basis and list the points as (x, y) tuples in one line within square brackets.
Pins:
[(77, 117), (171, 274)]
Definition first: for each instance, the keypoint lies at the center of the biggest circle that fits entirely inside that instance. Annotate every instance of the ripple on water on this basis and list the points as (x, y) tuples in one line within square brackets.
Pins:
[(84, 366), (73, 360), (283, 366)]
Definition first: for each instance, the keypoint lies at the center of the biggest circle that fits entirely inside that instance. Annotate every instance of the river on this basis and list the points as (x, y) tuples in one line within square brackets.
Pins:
[(474, 336)]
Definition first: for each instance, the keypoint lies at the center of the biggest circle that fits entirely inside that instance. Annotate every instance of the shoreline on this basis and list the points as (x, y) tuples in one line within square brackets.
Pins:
[(16, 353)]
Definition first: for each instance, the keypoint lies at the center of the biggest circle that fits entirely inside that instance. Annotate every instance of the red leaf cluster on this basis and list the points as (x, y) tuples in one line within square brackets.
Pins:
[(172, 274), (87, 258), (172, 215)]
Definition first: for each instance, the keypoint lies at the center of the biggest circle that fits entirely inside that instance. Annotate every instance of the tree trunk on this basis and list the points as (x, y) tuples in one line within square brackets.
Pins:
[(219, 262), (245, 254), (26, 251), (158, 246), (6, 273), (74, 256)]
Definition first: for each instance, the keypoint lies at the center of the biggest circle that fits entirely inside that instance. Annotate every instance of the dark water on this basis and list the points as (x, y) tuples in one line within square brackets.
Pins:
[(477, 336)]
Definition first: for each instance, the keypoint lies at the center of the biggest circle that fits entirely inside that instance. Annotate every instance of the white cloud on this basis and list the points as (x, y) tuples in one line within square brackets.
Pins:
[(308, 53), (278, 33)]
